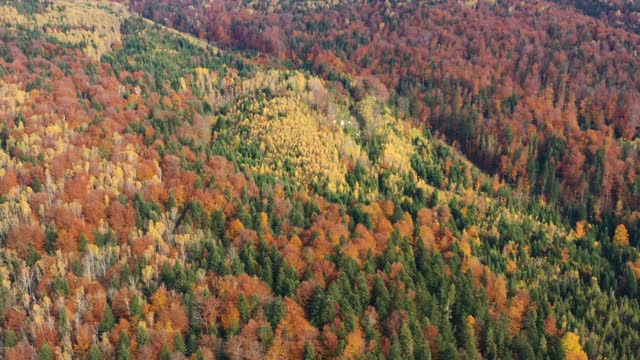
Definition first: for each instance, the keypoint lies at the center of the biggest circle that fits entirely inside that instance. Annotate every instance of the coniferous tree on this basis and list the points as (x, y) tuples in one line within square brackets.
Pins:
[(243, 309), (108, 320), (179, 345), (275, 312), (135, 308), (95, 353), (124, 350), (51, 237), (192, 344), (469, 342), (406, 342), (10, 338), (380, 297), (489, 344), (218, 223), (142, 336), (309, 352), (45, 352), (396, 350), (522, 348), (165, 354)]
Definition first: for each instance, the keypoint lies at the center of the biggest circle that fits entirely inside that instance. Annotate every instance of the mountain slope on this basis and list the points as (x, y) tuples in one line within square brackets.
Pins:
[(539, 94), (624, 14), (162, 197)]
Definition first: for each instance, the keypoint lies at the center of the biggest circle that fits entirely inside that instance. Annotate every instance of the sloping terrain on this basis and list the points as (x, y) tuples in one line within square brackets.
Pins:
[(537, 93), (161, 197), (624, 14)]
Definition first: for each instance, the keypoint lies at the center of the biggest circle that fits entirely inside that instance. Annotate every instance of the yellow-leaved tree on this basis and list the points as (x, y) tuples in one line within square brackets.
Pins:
[(572, 348), (621, 235)]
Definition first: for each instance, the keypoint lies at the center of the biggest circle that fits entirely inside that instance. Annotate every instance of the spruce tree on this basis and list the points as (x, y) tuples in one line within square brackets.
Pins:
[(136, 307), (192, 344), (165, 354), (406, 342), (396, 350), (218, 223), (63, 324), (243, 309), (10, 338), (380, 297), (522, 348), (95, 353), (124, 348), (275, 312), (489, 344), (143, 336), (420, 344), (108, 321), (45, 352), (309, 352), (469, 342), (179, 345), (51, 237)]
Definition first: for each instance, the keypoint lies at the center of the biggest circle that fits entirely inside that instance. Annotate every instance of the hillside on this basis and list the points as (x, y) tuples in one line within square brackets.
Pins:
[(550, 108), (624, 14), (167, 196)]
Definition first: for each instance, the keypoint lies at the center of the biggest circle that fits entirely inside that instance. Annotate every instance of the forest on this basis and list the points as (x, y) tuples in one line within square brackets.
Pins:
[(187, 179)]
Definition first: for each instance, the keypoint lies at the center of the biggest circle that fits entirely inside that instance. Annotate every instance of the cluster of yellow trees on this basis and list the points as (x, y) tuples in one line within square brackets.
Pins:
[(288, 131), (94, 26)]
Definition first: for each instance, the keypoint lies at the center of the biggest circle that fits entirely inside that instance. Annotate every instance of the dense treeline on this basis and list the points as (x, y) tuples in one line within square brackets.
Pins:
[(543, 96), (624, 14), (173, 200)]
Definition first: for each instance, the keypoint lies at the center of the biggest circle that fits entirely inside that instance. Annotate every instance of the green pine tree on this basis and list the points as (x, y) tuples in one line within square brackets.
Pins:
[(420, 344), (165, 354), (406, 342), (45, 353), (51, 237), (361, 290), (179, 345), (10, 338), (422, 351), (33, 256), (243, 309), (171, 202), (142, 336), (135, 308), (124, 348), (82, 243), (218, 223), (275, 312), (108, 321), (469, 342), (95, 353), (63, 324), (380, 297), (309, 353), (396, 350), (489, 344), (192, 344), (522, 348)]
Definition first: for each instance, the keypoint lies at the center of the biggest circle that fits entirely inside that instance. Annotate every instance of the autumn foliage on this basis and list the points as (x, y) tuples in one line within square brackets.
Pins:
[(308, 197)]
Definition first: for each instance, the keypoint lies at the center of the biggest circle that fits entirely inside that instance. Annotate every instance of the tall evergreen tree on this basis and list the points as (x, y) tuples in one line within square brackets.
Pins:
[(178, 344), (108, 320), (45, 352), (309, 353), (95, 353), (406, 342), (124, 348)]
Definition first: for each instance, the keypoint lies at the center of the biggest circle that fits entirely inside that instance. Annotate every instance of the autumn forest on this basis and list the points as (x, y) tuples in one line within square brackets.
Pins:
[(358, 179)]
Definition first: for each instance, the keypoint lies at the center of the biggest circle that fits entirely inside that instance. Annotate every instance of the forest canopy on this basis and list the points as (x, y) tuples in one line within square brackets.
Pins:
[(331, 179)]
